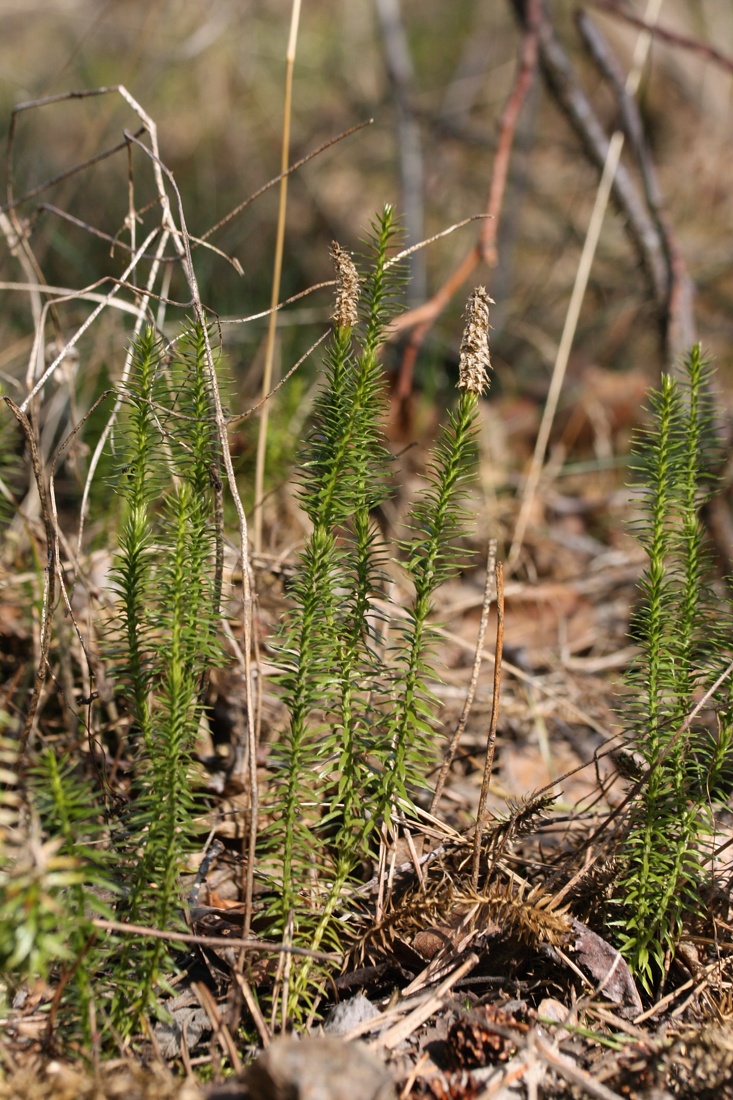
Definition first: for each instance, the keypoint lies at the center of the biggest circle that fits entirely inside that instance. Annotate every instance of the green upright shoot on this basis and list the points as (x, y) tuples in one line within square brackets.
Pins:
[(683, 638)]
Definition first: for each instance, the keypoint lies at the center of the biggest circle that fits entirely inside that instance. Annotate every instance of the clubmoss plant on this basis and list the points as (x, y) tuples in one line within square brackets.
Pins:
[(359, 718), (432, 556), (685, 639), (65, 845), (328, 664), (55, 869), (63, 796), (168, 578)]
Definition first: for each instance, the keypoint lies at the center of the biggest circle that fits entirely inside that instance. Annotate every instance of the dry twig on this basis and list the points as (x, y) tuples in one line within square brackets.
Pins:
[(461, 726), (420, 320), (666, 34), (491, 740)]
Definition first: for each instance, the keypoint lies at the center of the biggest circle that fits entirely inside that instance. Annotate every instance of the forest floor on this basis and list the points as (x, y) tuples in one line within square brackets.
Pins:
[(533, 1000), (527, 996)]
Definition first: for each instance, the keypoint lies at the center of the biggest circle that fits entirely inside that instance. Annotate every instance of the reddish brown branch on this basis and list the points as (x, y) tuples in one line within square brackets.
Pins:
[(420, 320)]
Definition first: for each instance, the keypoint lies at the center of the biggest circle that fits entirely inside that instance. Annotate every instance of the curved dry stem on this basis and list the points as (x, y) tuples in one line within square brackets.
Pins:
[(127, 368), (243, 416), (276, 275), (50, 370), (288, 172)]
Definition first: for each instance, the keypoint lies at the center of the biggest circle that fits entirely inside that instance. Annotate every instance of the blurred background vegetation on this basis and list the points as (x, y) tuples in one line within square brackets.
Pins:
[(212, 77)]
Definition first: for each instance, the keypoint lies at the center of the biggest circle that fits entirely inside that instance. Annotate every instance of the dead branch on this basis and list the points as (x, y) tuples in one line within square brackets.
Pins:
[(665, 34), (679, 319), (421, 320), (565, 87)]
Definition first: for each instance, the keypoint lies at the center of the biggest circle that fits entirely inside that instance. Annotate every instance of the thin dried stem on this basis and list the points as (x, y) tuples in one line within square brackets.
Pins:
[(222, 942), (254, 1008), (126, 371), (52, 181), (221, 1032), (477, 658), (491, 740), (58, 535), (254, 408), (666, 34), (123, 247), (421, 320), (398, 257), (63, 354), (288, 172), (432, 1003), (67, 294), (276, 275)]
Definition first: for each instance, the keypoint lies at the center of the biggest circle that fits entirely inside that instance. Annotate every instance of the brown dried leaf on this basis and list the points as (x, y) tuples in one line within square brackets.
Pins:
[(607, 967)]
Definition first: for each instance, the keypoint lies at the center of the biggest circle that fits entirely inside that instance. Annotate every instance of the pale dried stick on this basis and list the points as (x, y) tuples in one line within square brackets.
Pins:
[(68, 294), (582, 276), (51, 369), (413, 1075), (455, 741), (222, 942), (491, 740), (221, 1032), (126, 371), (400, 1031), (573, 1073), (276, 274), (167, 222), (58, 536), (167, 229), (18, 248), (254, 1008)]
